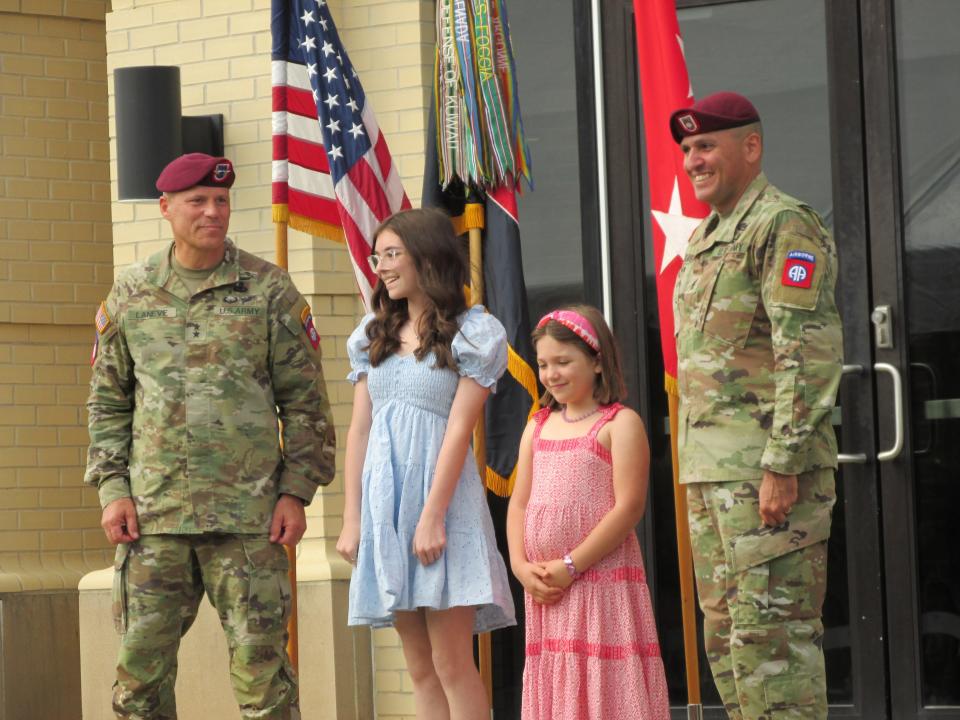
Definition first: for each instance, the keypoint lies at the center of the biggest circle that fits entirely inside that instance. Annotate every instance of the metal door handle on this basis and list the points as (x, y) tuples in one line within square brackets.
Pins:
[(894, 374), (854, 458)]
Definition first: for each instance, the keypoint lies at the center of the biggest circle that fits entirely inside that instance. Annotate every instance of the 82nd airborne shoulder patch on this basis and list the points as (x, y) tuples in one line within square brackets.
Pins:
[(307, 319), (798, 269)]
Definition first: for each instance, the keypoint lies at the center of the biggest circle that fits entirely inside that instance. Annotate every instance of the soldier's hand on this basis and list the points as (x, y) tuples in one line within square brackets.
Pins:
[(289, 521), (119, 521), (778, 493)]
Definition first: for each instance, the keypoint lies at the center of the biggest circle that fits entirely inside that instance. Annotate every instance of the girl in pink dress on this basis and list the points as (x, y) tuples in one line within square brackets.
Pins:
[(591, 646)]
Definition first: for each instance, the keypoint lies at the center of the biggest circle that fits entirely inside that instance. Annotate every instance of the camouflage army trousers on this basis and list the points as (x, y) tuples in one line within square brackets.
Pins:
[(158, 584), (761, 591)]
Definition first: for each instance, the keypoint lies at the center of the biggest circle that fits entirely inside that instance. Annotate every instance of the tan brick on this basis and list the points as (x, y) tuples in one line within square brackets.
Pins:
[(66, 150), (79, 130), (45, 46), (22, 65), (94, 539), (11, 290), (10, 84), (37, 129), (72, 232), (46, 7), (15, 499), (89, 9), (21, 24), (12, 126), (61, 456), (19, 541), (122, 19), (69, 109), (8, 519), (81, 519), (210, 27), (73, 395), (96, 171), (62, 540), (24, 146), (23, 106), (20, 313), (71, 191), (93, 30), (39, 520), (50, 251), (86, 90), (225, 7), (155, 35), (29, 230), (43, 168), (117, 42), (90, 211), (229, 47), (65, 68), (97, 70), (47, 210), (250, 22), (33, 394), (182, 10), (92, 252), (71, 315), (59, 28), (60, 497)]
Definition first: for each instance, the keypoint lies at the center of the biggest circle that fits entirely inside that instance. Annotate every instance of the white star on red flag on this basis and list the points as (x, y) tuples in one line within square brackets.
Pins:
[(676, 227)]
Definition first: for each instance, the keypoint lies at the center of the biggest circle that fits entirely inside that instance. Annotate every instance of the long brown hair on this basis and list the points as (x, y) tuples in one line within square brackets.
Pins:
[(438, 257), (608, 386)]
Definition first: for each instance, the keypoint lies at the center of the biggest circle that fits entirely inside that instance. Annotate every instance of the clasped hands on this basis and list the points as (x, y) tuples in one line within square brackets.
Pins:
[(545, 581)]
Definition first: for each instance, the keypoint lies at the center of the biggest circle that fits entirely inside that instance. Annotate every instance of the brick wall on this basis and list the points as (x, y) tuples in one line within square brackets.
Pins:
[(55, 267)]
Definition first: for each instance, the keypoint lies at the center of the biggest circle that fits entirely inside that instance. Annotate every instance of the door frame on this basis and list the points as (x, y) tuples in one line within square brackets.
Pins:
[(857, 167)]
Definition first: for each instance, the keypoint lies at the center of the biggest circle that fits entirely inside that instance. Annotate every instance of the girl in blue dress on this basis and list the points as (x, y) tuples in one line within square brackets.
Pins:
[(415, 521)]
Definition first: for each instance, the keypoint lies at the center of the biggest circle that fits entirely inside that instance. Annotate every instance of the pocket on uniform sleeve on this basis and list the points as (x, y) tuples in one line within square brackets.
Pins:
[(268, 590), (782, 693), (119, 591)]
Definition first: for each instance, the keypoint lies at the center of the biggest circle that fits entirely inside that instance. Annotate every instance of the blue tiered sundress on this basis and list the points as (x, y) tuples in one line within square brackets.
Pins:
[(411, 403)]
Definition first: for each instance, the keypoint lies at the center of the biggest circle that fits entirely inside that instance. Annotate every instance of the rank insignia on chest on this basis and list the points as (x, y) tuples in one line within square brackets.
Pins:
[(307, 319), (798, 269)]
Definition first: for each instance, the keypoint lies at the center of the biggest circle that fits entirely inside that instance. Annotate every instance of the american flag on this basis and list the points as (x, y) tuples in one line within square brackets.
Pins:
[(331, 165)]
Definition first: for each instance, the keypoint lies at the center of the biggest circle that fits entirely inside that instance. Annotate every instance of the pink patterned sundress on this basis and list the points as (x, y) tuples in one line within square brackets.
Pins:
[(593, 655)]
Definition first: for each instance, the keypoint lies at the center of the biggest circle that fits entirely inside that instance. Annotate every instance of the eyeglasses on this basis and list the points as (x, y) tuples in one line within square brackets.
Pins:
[(391, 254)]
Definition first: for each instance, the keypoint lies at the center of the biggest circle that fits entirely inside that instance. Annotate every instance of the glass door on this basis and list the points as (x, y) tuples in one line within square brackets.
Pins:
[(911, 66)]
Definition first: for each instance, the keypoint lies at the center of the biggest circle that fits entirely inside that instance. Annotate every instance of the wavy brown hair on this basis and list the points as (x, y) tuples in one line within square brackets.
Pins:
[(608, 386), (438, 257)]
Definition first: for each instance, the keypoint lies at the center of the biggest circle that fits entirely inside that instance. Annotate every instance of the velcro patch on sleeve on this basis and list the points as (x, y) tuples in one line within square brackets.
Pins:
[(306, 319), (794, 277), (102, 321), (798, 269)]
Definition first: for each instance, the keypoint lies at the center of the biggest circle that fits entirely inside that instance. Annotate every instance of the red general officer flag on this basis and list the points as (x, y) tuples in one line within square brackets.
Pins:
[(676, 211)]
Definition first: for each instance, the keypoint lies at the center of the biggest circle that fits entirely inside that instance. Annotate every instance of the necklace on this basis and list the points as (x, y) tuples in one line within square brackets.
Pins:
[(578, 418)]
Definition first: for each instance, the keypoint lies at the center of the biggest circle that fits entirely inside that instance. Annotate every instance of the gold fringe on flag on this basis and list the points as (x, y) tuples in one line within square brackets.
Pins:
[(671, 385), (281, 213)]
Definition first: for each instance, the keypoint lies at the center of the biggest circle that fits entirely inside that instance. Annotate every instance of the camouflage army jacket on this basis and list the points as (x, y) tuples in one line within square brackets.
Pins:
[(759, 341), (187, 392)]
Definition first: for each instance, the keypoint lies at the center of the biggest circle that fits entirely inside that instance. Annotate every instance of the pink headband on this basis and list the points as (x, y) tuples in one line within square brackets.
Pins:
[(575, 322)]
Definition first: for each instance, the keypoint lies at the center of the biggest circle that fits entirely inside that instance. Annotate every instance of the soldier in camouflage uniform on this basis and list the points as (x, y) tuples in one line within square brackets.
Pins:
[(203, 353), (759, 359)]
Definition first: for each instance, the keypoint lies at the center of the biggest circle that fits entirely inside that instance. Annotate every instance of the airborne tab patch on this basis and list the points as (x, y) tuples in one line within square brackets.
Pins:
[(307, 319), (798, 269)]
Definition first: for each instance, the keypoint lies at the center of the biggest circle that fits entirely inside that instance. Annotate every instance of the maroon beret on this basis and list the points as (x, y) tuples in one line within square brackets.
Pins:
[(194, 169), (720, 111)]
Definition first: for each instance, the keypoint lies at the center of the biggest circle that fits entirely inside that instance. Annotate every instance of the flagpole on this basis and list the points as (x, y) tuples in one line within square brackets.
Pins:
[(685, 567), (473, 212), (293, 644)]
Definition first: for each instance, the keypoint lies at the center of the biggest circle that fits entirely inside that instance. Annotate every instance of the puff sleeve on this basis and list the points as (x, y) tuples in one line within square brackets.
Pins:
[(357, 351), (480, 348)]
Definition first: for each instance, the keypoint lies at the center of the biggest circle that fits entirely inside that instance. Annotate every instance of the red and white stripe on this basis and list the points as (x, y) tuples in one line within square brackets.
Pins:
[(370, 191)]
